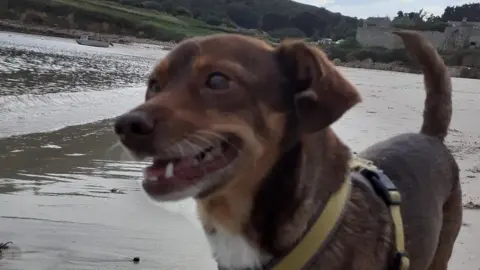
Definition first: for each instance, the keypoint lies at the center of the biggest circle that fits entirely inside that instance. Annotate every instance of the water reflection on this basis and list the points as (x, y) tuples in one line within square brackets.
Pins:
[(78, 159), (69, 201), (28, 67), (30, 72)]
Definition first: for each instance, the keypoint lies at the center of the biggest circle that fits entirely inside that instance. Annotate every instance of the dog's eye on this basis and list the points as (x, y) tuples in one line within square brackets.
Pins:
[(154, 86), (217, 81)]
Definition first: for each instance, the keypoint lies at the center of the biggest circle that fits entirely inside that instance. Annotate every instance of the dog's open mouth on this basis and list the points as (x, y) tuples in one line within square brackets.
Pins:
[(171, 175)]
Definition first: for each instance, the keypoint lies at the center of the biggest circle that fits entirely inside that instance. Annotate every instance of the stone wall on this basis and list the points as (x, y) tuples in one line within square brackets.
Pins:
[(475, 37), (383, 37), (377, 37), (456, 37), (435, 37), (471, 60)]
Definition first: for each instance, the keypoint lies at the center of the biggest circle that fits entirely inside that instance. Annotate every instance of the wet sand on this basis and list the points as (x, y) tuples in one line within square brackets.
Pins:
[(68, 200), (67, 203)]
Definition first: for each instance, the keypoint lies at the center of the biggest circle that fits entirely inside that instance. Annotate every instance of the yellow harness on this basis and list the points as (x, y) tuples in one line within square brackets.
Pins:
[(326, 223)]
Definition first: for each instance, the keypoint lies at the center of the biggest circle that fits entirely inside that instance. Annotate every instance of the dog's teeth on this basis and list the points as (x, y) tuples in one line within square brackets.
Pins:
[(169, 170)]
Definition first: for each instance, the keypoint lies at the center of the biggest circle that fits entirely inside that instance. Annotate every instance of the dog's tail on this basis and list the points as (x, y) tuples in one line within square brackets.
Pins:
[(438, 104)]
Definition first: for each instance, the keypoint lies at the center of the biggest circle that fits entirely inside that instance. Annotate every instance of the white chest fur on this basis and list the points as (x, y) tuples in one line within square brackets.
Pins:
[(234, 251)]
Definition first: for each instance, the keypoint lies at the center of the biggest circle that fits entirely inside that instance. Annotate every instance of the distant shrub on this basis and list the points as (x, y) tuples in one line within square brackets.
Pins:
[(33, 17), (242, 15), (351, 43), (182, 11), (290, 32), (377, 54), (152, 5), (272, 21), (153, 32)]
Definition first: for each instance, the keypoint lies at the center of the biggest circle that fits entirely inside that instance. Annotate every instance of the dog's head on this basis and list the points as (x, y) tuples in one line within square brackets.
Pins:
[(218, 108)]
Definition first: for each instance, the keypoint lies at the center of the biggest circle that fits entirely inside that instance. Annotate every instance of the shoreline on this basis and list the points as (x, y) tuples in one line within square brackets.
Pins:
[(16, 27), (455, 71)]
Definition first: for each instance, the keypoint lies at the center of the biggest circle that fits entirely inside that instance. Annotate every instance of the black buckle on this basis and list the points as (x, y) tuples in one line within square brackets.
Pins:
[(401, 261), (382, 185)]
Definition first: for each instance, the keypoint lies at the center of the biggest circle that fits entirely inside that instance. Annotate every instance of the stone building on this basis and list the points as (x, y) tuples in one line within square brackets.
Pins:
[(382, 22), (377, 32), (462, 35)]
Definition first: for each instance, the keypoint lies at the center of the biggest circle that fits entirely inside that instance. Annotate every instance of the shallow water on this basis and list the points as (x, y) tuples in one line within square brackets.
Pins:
[(52, 65), (68, 200)]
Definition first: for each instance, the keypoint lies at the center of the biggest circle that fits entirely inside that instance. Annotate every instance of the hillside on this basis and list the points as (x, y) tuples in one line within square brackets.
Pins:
[(277, 17), (104, 17), (174, 20)]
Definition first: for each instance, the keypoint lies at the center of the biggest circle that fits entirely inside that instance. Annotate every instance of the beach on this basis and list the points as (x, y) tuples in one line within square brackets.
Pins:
[(71, 199)]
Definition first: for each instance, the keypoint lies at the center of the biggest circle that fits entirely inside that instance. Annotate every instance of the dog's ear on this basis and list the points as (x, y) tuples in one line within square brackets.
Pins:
[(321, 94)]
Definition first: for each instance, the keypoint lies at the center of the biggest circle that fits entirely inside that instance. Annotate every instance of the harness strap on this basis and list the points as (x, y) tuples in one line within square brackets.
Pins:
[(382, 186), (316, 237)]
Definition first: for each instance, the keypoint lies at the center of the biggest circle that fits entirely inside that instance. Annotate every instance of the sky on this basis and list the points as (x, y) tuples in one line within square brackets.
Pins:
[(379, 8)]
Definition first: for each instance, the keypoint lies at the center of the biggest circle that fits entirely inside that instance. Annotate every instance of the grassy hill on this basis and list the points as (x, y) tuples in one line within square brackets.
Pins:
[(176, 19), (106, 17), (272, 16)]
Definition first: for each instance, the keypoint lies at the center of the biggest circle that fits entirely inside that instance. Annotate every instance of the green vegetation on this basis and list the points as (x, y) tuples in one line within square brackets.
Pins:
[(273, 20), (107, 17), (175, 20), (350, 50), (266, 15), (456, 13), (420, 20)]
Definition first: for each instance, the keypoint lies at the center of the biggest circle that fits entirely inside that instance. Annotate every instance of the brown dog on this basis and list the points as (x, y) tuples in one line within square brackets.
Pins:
[(244, 129)]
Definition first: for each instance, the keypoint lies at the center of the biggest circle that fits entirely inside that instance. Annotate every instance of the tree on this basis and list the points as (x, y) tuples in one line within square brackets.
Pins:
[(289, 32), (272, 21), (212, 20), (152, 5), (167, 6), (457, 13), (342, 30), (307, 22), (182, 11), (419, 21), (242, 15)]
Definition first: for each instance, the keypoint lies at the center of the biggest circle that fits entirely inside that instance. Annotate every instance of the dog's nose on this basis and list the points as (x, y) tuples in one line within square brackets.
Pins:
[(135, 124)]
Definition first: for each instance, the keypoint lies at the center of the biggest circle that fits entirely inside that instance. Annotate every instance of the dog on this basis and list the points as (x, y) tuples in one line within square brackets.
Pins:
[(244, 129)]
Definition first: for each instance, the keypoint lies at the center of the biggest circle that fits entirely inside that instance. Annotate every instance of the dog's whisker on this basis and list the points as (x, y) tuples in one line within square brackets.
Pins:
[(212, 144), (222, 138), (114, 146), (219, 136), (193, 146), (205, 140), (180, 150), (126, 155)]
